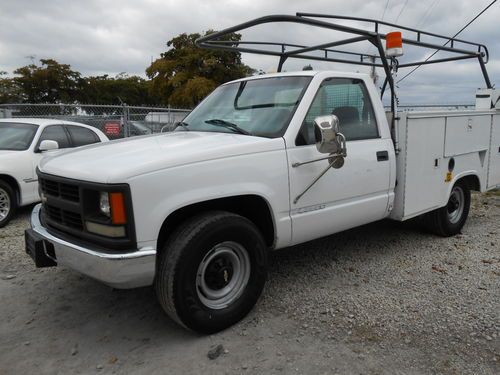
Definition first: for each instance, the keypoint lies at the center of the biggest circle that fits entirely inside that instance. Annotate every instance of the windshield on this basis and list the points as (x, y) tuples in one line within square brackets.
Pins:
[(261, 107), (15, 136)]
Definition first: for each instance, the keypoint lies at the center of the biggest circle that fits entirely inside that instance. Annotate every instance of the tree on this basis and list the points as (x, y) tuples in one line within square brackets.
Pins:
[(10, 92), (52, 82), (49, 83), (132, 90), (185, 74)]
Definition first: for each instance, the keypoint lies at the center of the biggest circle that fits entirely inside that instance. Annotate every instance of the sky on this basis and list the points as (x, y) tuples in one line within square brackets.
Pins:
[(114, 36)]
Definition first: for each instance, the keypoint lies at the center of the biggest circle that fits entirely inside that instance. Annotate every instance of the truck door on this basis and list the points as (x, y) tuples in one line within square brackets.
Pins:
[(357, 193)]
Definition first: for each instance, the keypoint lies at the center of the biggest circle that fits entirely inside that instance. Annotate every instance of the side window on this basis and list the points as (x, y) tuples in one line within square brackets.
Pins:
[(82, 136), (347, 99), (55, 133)]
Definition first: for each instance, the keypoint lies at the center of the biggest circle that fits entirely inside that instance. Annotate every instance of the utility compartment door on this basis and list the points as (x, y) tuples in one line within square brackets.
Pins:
[(494, 165), (467, 134), (425, 169)]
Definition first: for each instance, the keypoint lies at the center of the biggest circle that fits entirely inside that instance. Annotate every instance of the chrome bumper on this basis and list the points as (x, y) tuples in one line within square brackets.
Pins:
[(119, 270)]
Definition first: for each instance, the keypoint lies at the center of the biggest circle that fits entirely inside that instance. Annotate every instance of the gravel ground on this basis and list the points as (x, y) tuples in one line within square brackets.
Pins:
[(383, 298)]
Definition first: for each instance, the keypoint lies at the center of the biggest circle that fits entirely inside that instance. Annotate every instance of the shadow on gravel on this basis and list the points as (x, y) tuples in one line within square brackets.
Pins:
[(84, 304)]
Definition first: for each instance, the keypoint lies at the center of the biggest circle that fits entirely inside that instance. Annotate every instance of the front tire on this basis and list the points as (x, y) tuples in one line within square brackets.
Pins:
[(211, 271), (8, 203), (449, 220)]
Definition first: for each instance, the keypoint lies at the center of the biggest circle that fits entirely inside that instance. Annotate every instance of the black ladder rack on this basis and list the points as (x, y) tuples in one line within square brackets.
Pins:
[(468, 50)]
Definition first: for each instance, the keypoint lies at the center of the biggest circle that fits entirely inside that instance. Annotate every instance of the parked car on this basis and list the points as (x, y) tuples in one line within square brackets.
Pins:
[(23, 142)]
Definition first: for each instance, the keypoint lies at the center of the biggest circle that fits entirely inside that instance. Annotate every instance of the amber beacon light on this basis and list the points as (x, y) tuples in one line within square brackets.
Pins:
[(394, 44)]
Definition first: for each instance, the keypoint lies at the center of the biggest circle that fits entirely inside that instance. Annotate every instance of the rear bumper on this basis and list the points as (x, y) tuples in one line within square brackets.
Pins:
[(119, 270)]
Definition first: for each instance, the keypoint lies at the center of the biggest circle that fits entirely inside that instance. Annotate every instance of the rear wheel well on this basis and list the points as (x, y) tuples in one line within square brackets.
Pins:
[(253, 207), (13, 184), (472, 182)]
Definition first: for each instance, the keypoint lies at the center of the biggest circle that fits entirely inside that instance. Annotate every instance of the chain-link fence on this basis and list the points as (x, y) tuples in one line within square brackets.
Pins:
[(126, 121), (114, 121)]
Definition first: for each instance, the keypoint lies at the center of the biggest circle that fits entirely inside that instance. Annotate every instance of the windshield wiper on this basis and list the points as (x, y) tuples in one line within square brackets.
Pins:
[(183, 124), (227, 125)]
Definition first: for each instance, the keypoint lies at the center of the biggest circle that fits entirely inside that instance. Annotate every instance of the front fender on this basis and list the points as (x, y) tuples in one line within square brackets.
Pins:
[(157, 195)]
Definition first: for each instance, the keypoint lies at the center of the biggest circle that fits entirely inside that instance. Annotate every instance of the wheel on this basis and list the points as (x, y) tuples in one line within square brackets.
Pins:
[(211, 271), (8, 203), (449, 220)]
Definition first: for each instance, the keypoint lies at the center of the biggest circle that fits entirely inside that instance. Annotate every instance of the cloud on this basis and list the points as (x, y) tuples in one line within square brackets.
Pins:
[(97, 37)]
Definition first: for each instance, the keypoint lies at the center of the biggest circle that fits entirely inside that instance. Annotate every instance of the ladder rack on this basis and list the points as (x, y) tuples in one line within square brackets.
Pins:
[(469, 50)]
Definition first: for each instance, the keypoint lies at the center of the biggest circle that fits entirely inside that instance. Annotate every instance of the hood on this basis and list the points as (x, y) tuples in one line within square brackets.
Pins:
[(115, 161)]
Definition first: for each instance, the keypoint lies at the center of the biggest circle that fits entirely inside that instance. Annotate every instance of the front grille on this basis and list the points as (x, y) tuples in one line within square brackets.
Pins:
[(62, 206), (64, 217), (59, 189), (67, 205)]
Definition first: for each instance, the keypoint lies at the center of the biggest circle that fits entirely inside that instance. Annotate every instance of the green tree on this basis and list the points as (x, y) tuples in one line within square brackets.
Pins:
[(132, 90), (49, 83), (185, 74), (10, 92)]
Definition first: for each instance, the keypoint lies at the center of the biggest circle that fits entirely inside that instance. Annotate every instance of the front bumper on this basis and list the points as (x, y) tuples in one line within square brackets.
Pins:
[(119, 270)]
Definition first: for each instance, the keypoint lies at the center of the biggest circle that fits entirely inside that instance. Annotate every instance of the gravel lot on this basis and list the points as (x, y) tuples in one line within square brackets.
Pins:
[(383, 298)]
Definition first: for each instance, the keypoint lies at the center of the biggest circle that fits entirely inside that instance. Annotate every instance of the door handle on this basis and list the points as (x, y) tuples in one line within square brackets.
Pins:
[(382, 155)]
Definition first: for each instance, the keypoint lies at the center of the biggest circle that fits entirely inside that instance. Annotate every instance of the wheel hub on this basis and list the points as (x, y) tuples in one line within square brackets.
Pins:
[(456, 205), (453, 204), (223, 275), (219, 273)]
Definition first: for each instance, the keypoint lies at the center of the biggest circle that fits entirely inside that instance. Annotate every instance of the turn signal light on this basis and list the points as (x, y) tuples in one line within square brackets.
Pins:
[(117, 204)]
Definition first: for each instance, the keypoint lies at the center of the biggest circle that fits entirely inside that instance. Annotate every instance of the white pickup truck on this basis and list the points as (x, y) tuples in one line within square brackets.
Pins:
[(262, 163)]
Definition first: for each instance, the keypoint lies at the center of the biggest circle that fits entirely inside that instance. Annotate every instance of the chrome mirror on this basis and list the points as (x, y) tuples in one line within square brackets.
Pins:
[(328, 141), (326, 130)]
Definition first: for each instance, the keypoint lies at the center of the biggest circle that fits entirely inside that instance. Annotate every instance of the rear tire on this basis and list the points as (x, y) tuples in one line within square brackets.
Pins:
[(211, 271), (8, 203), (449, 220)]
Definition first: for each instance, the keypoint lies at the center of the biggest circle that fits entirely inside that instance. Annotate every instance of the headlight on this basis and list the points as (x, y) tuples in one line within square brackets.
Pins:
[(104, 204), (112, 205)]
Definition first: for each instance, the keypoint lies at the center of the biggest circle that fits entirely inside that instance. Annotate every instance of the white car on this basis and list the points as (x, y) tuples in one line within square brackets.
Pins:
[(23, 142)]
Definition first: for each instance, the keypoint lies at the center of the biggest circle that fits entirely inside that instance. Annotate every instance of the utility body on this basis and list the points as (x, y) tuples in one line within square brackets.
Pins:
[(262, 163)]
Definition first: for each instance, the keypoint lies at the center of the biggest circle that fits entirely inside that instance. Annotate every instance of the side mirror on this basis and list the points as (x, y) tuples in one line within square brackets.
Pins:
[(328, 138), (47, 145)]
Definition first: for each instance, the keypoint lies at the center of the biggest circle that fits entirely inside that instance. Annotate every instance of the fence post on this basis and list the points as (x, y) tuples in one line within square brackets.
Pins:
[(126, 128)]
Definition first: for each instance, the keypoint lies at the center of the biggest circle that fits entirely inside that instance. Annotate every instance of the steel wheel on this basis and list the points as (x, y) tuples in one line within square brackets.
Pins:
[(223, 275), (211, 271), (5, 204), (456, 204), (450, 219)]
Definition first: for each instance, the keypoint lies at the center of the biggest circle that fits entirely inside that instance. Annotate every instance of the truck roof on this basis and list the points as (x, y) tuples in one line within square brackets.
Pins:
[(305, 73)]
